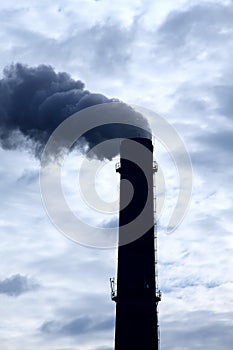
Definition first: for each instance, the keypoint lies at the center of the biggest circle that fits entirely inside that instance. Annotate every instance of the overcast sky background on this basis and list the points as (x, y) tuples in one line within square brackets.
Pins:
[(173, 57)]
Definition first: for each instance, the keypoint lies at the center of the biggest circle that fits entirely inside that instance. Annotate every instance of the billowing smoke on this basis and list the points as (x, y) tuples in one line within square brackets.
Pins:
[(35, 100)]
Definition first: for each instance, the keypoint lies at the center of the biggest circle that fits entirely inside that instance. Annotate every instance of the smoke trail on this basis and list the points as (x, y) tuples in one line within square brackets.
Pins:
[(35, 100)]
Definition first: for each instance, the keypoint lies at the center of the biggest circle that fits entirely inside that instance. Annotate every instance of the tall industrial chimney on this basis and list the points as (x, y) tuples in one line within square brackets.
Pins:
[(136, 296)]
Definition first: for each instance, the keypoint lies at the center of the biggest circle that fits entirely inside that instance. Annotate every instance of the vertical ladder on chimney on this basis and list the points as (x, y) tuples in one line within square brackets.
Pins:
[(157, 291)]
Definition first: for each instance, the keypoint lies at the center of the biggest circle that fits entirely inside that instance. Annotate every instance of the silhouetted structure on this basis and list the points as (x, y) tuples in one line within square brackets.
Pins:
[(136, 296)]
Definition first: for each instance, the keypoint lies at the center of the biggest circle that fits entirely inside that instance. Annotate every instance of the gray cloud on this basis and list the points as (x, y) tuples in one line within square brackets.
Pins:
[(16, 285), (211, 150), (207, 112), (110, 46), (77, 326), (198, 330), (183, 29), (222, 140), (28, 178), (224, 96), (203, 101)]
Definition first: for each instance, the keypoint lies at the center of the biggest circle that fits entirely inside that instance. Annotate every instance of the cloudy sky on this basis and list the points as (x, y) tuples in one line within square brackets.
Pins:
[(171, 57)]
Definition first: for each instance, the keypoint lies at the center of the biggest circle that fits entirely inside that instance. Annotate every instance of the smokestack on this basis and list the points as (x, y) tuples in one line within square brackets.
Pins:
[(136, 296)]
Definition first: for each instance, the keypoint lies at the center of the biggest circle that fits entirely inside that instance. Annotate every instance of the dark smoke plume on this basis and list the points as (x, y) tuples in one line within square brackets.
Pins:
[(35, 100)]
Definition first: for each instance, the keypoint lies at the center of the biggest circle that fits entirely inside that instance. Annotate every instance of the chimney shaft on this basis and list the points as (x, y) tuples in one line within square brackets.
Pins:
[(136, 300)]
